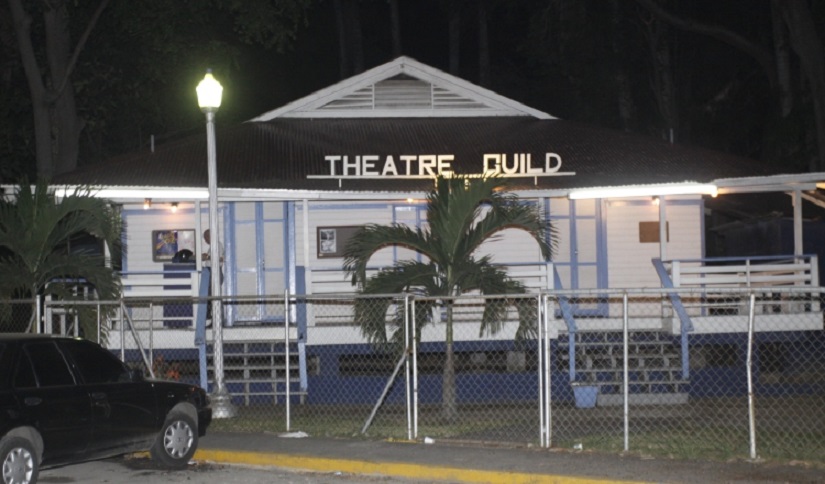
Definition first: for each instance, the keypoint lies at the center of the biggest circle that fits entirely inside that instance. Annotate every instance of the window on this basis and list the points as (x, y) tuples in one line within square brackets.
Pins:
[(95, 364), (3, 364), (50, 368), (24, 376)]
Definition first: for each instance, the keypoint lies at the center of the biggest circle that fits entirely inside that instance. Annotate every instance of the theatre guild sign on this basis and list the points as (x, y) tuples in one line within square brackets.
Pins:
[(429, 166)]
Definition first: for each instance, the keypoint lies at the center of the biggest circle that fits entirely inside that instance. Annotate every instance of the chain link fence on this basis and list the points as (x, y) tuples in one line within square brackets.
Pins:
[(704, 373)]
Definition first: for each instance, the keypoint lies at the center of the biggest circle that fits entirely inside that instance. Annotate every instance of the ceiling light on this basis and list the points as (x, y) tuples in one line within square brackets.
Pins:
[(644, 191)]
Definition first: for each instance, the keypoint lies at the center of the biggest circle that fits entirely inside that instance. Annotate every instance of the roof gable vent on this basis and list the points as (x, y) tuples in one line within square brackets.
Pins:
[(403, 94), (402, 88)]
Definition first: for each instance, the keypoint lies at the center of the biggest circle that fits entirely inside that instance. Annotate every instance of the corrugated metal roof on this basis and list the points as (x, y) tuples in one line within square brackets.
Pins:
[(281, 153)]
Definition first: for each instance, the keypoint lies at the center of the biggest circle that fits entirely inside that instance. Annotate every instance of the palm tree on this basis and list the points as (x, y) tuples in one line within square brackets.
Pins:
[(36, 255), (462, 213)]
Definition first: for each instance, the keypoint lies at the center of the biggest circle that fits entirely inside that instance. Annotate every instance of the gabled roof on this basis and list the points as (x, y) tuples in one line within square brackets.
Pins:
[(405, 108), (284, 154), (402, 88)]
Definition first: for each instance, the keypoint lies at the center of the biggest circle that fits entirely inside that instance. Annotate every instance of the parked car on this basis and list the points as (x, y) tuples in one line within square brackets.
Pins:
[(65, 400)]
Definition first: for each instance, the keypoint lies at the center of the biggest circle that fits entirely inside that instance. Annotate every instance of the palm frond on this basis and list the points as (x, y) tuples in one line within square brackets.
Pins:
[(36, 233), (457, 227), (371, 238)]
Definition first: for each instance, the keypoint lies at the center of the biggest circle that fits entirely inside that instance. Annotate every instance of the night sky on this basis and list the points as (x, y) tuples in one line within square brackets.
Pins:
[(137, 75)]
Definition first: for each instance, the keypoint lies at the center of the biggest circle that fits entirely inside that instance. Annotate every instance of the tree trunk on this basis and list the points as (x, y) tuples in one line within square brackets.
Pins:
[(455, 35), (356, 42), (341, 24), (395, 25), (783, 59), (65, 124), (760, 54), (37, 91), (483, 46), (662, 82), (57, 125), (449, 409), (623, 91), (808, 47)]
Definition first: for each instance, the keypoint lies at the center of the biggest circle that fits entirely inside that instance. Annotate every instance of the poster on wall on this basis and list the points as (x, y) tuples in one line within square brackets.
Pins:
[(333, 240), (166, 243)]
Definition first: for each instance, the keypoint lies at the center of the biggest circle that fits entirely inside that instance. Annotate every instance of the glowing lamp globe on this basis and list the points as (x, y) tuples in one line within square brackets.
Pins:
[(209, 93)]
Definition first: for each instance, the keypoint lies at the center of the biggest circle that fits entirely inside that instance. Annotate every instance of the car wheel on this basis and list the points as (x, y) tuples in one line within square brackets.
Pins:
[(177, 441), (19, 460)]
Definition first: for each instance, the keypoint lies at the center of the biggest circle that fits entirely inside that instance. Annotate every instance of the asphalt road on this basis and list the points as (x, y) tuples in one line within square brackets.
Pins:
[(136, 470)]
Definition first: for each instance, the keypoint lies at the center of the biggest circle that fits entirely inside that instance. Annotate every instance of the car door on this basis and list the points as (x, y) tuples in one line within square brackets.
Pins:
[(53, 401), (124, 412)]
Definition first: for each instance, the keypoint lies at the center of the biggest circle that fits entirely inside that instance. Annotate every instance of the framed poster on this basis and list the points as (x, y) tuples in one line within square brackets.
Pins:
[(165, 243), (333, 240)]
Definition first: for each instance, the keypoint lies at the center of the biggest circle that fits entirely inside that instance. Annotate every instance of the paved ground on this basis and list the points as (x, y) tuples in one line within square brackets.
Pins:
[(451, 462)]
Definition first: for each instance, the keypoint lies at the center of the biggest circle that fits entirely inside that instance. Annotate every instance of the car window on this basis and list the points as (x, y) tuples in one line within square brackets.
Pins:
[(95, 364), (24, 375), (50, 368), (4, 380)]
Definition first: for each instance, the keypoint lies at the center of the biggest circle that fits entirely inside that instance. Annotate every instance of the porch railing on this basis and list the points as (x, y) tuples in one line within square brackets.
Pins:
[(746, 272)]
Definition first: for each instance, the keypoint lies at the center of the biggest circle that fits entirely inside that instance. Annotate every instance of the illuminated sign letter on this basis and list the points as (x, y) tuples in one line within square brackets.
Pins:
[(407, 159), (547, 166), (354, 165), (389, 167), (426, 163), (444, 164), (332, 159), (510, 169), (368, 165), (495, 160)]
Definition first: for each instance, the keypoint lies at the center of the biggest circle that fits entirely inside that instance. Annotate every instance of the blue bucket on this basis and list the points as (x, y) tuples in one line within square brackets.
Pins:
[(585, 395)]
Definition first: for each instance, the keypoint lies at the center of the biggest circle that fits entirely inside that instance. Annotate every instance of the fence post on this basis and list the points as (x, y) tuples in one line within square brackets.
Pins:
[(286, 361), (414, 371), (625, 372), (545, 376), (97, 313), (751, 414), (407, 376), (38, 314), (120, 311)]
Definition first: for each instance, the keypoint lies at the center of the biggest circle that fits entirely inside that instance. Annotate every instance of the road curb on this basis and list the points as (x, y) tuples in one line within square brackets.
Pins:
[(391, 469)]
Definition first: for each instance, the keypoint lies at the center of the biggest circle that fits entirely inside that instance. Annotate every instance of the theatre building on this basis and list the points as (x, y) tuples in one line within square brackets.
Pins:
[(295, 182)]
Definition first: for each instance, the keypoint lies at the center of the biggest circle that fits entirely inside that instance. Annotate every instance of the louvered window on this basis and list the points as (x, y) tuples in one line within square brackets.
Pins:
[(403, 93)]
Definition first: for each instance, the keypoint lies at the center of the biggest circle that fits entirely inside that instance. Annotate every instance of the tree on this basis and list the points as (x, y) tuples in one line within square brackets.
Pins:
[(806, 42), (87, 62), (37, 231), (462, 214), (57, 125)]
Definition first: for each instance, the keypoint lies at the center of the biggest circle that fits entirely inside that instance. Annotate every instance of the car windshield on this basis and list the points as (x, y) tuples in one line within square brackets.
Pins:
[(96, 365)]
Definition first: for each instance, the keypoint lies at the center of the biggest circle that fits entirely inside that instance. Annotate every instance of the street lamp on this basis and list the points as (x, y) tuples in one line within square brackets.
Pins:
[(209, 99)]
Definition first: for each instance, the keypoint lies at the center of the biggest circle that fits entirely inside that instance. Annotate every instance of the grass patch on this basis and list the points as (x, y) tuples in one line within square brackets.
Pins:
[(695, 437)]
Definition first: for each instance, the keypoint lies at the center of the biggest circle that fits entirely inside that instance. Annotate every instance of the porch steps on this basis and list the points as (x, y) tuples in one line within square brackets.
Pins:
[(654, 366), (255, 371)]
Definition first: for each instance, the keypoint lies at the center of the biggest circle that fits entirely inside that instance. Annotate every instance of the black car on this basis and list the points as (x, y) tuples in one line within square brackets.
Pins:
[(66, 400)]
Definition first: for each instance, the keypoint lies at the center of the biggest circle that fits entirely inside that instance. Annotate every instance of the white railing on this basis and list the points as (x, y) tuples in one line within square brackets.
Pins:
[(765, 274), (745, 272), (536, 276), (154, 284)]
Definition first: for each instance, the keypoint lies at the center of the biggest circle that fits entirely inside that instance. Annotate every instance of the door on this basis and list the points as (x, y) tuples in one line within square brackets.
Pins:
[(581, 251), (51, 396), (258, 241), (124, 412)]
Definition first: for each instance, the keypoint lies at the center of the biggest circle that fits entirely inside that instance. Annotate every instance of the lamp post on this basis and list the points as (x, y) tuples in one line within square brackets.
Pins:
[(209, 99)]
